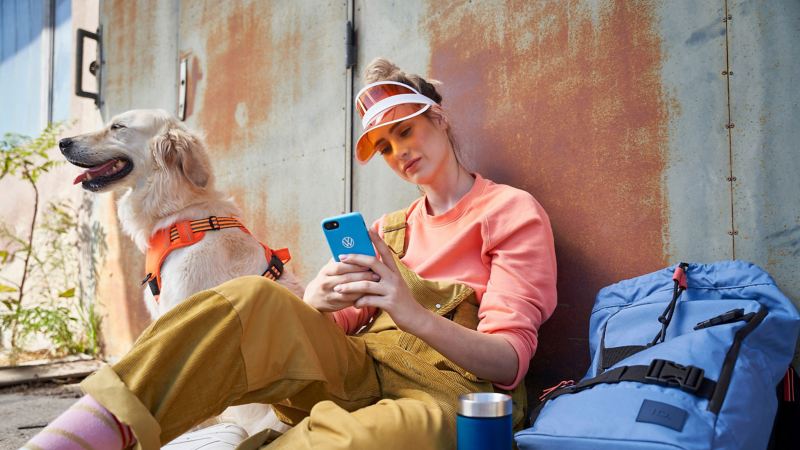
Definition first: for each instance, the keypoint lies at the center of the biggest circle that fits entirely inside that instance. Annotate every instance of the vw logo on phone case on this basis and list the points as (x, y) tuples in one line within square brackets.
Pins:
[(348, 242)]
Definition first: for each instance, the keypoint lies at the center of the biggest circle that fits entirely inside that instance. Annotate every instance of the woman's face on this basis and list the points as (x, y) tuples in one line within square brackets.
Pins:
[(417, 149)]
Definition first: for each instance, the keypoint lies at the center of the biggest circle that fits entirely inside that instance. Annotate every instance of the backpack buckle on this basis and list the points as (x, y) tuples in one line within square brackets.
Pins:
[(688, 378)]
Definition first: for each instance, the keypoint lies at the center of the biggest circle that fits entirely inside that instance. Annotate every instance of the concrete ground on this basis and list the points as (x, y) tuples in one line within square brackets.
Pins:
[(26, 409)]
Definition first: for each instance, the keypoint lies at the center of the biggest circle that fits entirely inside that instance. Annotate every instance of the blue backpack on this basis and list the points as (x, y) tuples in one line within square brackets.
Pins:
[(682, 358)]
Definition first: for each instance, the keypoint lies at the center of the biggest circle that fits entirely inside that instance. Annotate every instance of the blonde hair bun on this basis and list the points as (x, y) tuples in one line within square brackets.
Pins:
[(381, 69)]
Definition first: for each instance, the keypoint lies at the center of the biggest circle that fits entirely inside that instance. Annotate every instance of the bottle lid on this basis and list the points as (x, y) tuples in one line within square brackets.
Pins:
[(484, 404)]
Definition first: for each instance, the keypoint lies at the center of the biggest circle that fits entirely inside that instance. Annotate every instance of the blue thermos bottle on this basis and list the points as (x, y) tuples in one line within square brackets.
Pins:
[(484, 422)]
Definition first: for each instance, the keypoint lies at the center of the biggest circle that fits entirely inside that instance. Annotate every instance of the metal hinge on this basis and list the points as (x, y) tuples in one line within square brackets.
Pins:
[(350, 46)]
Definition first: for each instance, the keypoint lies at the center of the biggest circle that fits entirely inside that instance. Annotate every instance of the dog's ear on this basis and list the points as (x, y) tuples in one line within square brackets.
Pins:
[(178, 149)]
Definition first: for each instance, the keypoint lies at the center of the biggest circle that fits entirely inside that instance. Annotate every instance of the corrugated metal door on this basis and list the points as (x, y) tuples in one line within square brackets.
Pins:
[(616, 117), (266, 84)]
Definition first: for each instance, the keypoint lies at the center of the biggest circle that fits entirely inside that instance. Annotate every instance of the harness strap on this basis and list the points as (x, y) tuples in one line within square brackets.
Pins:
[(186, 233), (660, 371)]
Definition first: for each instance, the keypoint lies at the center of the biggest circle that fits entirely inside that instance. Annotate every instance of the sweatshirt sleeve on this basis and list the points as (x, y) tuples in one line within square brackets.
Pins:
[(521, 291), (351, 319)]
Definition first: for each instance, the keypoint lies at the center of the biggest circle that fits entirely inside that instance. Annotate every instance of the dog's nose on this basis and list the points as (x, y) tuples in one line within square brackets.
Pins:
[(65, 143)]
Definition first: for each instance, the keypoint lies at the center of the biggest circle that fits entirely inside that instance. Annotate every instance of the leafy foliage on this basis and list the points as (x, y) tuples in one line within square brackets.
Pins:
[(48, 300)]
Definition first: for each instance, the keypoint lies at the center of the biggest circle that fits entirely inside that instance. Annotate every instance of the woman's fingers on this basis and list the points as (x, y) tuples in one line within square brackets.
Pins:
[(369, 262), (387, 256), (360, 288), (340, 268), (366, 275), (368, 300)]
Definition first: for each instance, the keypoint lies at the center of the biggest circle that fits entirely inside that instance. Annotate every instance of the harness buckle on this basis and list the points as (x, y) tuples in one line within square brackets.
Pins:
[(154, 288), (275, 267), (213, 222), (688, 378)]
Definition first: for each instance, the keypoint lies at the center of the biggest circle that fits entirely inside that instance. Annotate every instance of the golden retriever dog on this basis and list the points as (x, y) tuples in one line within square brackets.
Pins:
[(164, 174)]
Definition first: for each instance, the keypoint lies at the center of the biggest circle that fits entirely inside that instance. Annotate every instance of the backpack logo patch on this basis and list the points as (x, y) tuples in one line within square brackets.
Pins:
[(662, 414)]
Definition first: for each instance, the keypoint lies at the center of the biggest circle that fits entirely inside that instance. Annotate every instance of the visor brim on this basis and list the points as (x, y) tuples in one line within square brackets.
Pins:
[(365, 149)]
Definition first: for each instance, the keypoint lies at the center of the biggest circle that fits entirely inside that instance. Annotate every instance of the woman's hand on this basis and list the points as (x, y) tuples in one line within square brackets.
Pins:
[(389, 292), (488, 356), (320, 293)]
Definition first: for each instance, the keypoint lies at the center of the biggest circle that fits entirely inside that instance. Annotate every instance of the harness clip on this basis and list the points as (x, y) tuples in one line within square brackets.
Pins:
[(213, 222), (688, 378), (275, 267)]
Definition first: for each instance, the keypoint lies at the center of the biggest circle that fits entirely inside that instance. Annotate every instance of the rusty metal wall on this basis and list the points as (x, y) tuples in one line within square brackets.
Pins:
[(138, 70), (266, 86), (390, 30), (614, 115), (765, 141)]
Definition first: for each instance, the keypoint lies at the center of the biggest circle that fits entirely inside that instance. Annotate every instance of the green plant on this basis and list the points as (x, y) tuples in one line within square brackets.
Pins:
[(49, 299)]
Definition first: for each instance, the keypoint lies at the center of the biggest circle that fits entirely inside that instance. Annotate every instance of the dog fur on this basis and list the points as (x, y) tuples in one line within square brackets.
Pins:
[(165, 176)]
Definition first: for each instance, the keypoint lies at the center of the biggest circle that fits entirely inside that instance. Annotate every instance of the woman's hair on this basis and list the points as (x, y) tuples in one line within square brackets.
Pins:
[(381, 69)]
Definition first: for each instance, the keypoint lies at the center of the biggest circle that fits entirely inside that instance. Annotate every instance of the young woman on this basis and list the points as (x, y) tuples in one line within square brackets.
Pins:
[(379, 349)]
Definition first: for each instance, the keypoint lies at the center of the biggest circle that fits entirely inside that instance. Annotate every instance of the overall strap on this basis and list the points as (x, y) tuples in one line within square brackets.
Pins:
[(455, 301), (394, 232)]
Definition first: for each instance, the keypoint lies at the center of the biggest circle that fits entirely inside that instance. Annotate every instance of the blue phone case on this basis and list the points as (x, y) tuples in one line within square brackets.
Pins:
[(348, 236)]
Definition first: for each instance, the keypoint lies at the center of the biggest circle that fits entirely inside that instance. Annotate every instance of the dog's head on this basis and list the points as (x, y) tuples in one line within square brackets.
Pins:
[(147, 149)]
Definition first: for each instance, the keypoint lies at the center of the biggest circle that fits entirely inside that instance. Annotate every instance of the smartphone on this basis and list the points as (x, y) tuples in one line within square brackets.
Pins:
[(347, 234)]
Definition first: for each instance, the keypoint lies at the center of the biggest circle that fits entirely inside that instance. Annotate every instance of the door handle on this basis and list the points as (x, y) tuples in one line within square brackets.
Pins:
[(93, 66)]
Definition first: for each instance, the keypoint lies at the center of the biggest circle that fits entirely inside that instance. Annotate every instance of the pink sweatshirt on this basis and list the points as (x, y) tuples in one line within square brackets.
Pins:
[(497, 240)]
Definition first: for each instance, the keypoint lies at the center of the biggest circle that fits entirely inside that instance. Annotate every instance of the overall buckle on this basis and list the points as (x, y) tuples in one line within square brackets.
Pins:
[(688, 378)]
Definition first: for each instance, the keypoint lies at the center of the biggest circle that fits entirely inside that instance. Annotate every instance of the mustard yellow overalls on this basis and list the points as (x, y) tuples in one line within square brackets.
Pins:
[(252, 341)]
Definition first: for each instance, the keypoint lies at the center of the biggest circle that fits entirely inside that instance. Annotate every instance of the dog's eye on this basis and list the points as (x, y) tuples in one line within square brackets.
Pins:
[(117, 126)]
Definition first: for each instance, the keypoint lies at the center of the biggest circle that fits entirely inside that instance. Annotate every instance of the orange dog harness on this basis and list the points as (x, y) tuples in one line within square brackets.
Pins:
[(186, 233)]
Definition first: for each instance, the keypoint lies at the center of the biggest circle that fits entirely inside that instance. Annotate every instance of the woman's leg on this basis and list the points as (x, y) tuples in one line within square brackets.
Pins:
[(248, 340), (416, 422)]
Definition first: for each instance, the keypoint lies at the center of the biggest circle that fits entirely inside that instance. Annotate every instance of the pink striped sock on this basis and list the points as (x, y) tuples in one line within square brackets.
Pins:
[(85, 425)]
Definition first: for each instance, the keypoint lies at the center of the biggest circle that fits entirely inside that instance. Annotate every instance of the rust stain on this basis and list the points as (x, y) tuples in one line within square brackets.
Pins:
[(194, 76), (255, 57), (124, 315), (571, 109), (237, 94), (132, 26)]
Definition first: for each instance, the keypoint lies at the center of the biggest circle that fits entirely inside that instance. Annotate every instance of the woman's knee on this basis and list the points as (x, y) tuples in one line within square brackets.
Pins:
[(251, 293)]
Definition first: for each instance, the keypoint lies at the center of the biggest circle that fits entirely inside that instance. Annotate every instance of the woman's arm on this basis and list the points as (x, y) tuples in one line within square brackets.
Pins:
[(487, 356)]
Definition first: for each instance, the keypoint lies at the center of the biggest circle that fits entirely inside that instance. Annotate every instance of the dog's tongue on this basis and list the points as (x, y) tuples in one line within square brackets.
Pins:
[(95, 171)]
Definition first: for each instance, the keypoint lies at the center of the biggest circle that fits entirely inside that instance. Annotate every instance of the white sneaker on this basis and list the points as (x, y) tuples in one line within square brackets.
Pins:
[(223, 436)]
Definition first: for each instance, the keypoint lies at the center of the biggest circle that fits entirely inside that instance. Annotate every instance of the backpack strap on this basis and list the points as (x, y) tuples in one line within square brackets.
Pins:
[(394, 232), (660, 371)]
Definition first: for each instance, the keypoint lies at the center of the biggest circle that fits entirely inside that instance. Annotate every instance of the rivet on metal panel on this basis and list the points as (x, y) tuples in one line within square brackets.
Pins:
[(730, 125), (725, 19), (731, 178), (733, 233), (728, 73)]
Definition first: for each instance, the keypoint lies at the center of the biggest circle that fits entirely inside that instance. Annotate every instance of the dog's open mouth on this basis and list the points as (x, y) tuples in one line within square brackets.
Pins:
[(96, 177)]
